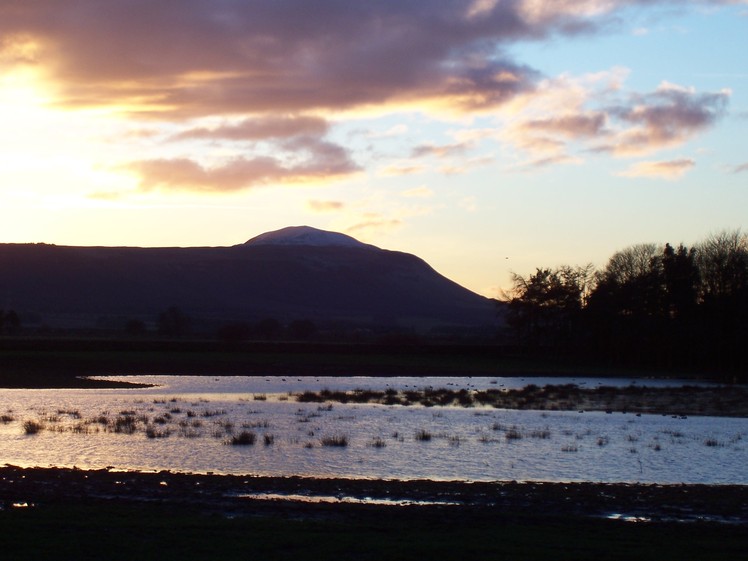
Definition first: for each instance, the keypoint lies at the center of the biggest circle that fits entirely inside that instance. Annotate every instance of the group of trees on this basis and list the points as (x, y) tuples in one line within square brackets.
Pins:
[(10, 322), (658, 306), (173, 322)]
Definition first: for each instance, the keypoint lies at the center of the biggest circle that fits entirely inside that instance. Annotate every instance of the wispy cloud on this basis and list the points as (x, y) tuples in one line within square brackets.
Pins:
[(439, 151), (325, 206), (374, 224), (671, 169), (398, 169), (741, 168), (421, 192)]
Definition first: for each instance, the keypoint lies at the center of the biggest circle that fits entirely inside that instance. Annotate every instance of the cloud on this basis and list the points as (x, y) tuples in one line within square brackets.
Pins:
[(403, 169), (667, 117), (325, 206), (741, 168), (175, 59), (421, 192), (548, 161), (590, 125), (190, 58), (596, 114), (262, 128), (672, 169), (324, 160), (443, 151), (374, 224)]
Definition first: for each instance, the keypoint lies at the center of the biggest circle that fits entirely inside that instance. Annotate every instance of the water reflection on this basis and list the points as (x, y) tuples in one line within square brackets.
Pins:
[(188, 423)]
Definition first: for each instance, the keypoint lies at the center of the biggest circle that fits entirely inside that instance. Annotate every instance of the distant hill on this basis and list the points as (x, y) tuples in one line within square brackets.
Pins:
[(293, 273)]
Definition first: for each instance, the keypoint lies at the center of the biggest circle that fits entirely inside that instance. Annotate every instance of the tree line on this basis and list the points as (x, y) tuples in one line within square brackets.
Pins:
[(651, 306)]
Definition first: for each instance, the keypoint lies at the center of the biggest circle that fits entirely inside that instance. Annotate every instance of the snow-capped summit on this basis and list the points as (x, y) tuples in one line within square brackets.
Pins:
[(306, 235)]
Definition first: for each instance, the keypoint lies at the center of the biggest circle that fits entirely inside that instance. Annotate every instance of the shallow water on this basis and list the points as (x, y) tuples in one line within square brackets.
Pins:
[(201, 414)]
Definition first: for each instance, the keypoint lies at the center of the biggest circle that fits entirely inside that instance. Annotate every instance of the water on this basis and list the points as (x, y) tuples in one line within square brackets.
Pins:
[(201, 414)]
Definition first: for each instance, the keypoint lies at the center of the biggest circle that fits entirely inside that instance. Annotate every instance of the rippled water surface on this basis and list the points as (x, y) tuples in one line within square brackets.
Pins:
[(187, 424)]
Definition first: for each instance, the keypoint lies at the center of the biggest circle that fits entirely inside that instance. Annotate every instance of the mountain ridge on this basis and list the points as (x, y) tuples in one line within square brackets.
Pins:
[(328, 279)]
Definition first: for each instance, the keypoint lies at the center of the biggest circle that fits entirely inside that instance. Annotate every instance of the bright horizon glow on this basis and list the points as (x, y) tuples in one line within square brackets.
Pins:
[(526, 136)]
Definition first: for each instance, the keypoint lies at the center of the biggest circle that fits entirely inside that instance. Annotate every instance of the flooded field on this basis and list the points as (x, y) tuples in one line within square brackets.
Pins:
[(255, 425)]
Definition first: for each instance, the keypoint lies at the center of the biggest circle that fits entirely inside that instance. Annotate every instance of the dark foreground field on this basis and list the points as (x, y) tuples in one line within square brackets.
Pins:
[(75, 514), (66, 514)]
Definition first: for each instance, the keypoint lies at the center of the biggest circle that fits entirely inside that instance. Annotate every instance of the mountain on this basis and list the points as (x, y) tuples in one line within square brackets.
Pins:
[(293, 273), (307, 236)]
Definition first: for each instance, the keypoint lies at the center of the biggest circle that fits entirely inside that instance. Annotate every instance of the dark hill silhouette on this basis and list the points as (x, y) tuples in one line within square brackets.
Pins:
[(290, 274)]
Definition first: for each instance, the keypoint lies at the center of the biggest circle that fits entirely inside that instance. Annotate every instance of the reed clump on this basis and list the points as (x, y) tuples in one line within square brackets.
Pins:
[(32, 427), (244, 438), (335, 440)]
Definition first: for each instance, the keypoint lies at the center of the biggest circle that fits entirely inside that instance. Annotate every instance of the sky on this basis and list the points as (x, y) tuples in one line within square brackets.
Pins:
[(486, 136)]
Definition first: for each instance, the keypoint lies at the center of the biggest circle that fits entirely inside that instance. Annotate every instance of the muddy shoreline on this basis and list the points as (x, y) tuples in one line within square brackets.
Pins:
[(231, 495)]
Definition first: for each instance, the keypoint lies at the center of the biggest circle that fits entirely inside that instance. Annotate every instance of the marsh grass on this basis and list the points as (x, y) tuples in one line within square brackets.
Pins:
[(244, 438), (153, 432), (32, 427), (513, 434), (422, 435), (377, 442), (335, 440)]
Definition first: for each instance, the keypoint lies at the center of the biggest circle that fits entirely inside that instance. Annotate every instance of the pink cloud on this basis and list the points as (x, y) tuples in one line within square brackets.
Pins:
[(323, 160), (260, 128)]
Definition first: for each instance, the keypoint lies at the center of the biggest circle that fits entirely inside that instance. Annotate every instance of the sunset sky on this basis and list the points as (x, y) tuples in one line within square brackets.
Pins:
[(486, 137)]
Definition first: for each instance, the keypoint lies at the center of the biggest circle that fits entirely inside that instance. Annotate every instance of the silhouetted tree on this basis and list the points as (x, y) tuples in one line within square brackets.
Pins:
[(650, 306), (10, 322), (544, 308), (682, 280), (723, 264), (631, 283)]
